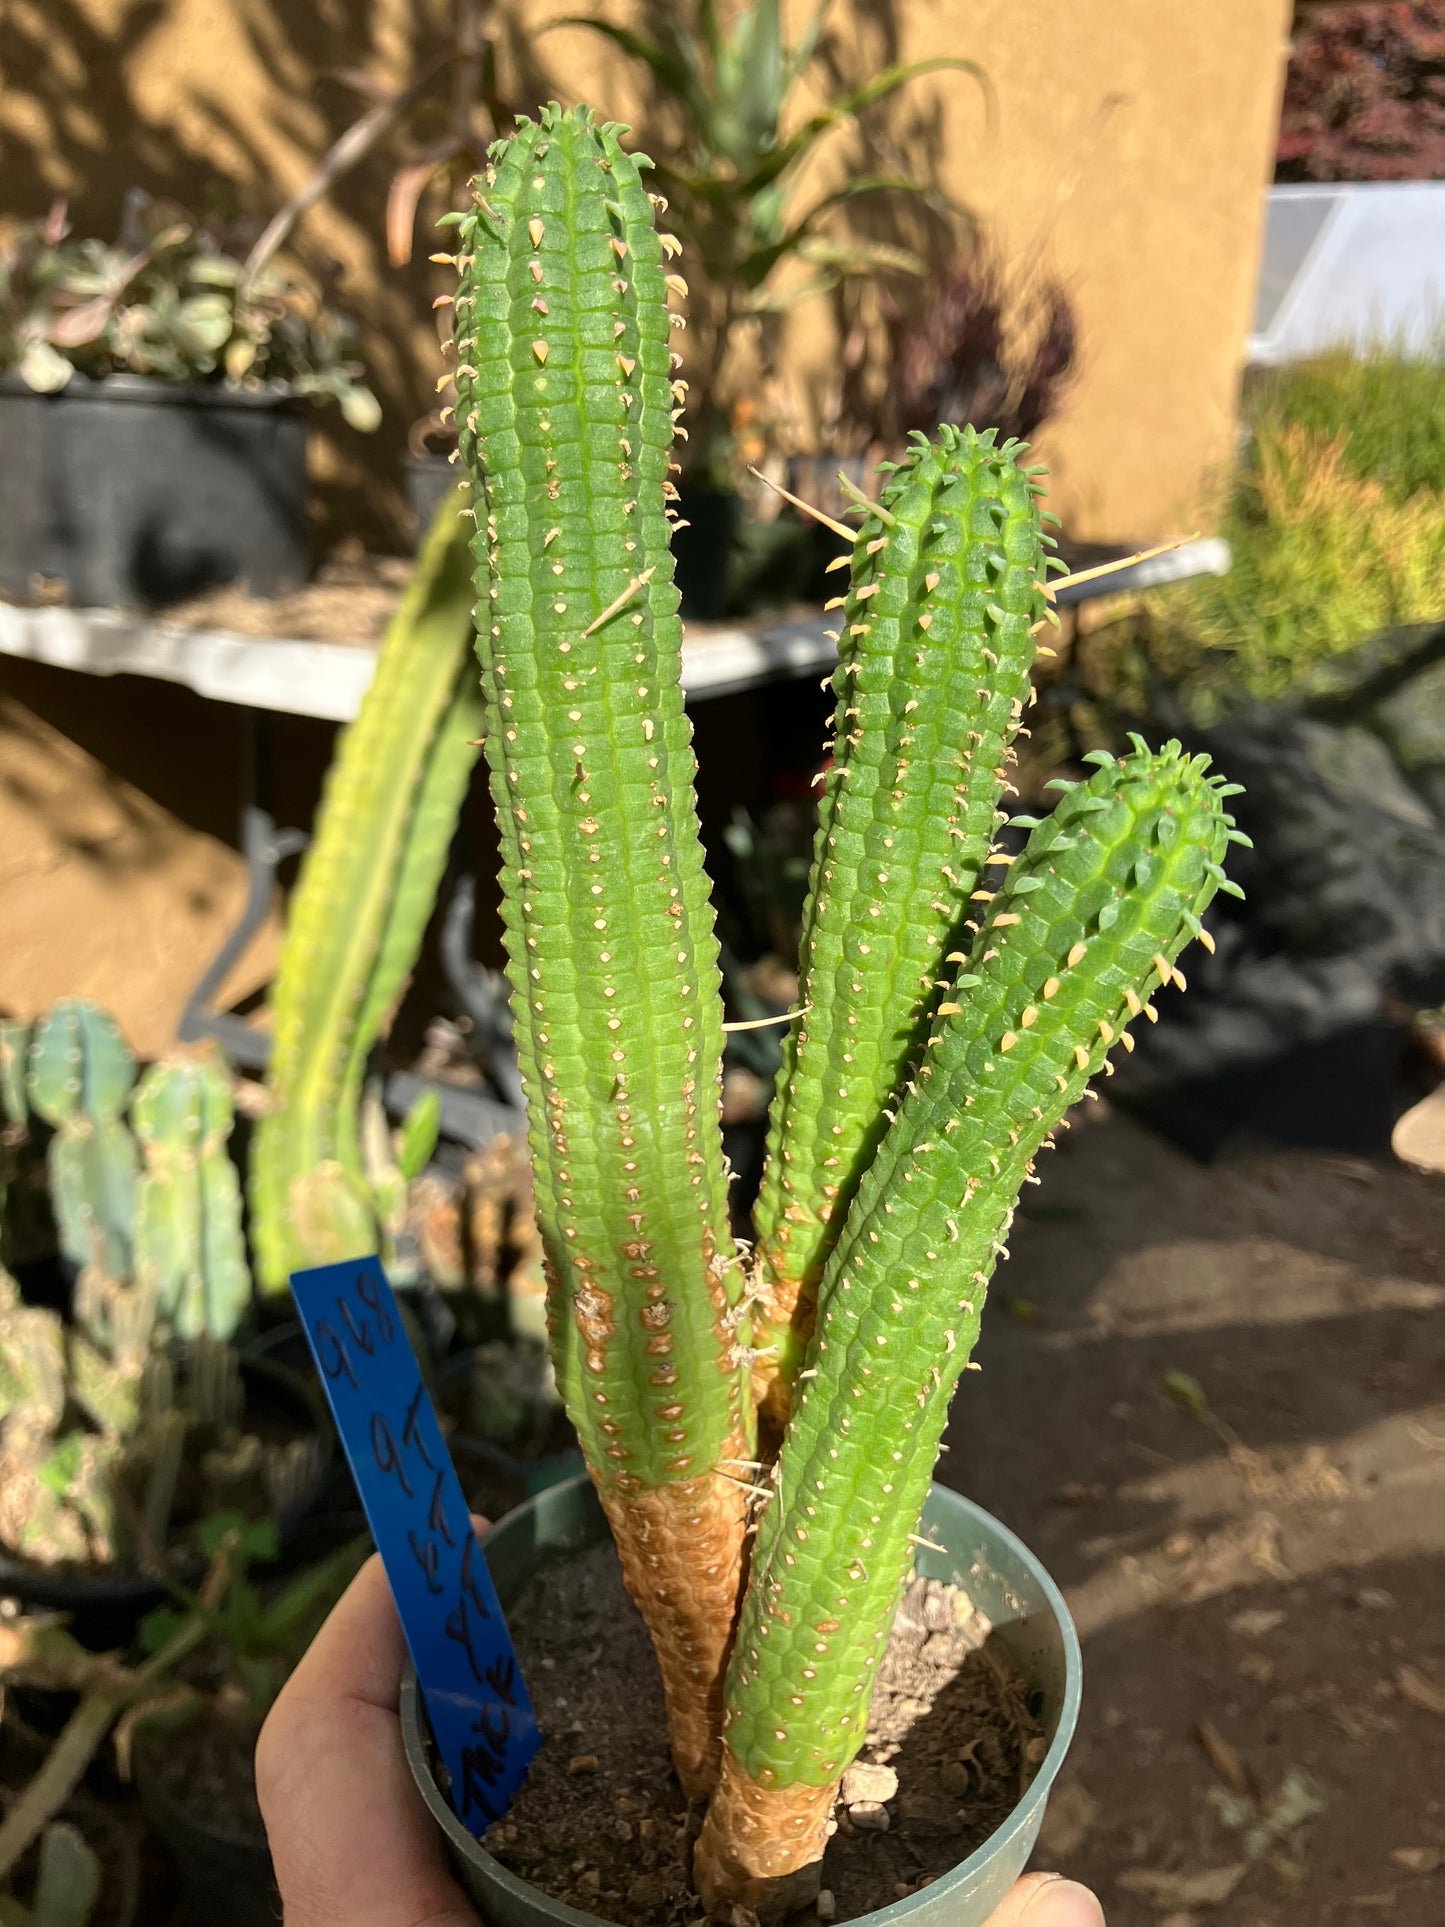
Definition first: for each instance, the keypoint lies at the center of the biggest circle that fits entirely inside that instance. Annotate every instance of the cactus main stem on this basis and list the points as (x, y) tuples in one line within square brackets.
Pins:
[(565, 412)]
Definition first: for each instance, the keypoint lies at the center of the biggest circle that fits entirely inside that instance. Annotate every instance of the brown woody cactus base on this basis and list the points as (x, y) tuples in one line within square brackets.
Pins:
[(681, 1548), (762, 1847)]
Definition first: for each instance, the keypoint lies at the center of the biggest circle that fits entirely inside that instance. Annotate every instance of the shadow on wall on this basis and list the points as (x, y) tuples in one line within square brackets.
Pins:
[(228, 110), (119, 800), (102, 99)]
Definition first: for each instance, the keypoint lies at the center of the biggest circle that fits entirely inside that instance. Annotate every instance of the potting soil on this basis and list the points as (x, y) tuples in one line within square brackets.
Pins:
[(602, 1824)]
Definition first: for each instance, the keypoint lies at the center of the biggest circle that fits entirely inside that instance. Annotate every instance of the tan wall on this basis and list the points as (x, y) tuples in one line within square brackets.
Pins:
[(1130, 144), (1138, 136), (119, 803)]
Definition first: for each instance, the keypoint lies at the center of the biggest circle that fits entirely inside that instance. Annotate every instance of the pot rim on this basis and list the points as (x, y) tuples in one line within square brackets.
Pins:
[(414, 1740), (159, 391)]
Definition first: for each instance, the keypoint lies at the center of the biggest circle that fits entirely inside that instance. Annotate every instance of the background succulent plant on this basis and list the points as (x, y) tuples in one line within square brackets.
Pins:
[(80, 1073), (168, 300), (107, 1415), (188, 1243), (323, 1180), (731, 162), (104, 1429)]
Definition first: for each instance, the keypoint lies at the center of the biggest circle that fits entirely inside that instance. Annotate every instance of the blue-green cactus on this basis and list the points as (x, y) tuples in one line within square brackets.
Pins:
[(189, 1248), (79, 1080)]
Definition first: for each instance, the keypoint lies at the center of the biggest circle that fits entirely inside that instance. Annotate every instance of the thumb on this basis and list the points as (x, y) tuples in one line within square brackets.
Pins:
[(351, 1841), (1048, 1900)]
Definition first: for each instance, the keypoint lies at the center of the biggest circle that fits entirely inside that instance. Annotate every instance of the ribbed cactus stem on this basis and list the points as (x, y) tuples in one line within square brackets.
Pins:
[(79, 1079), (189, 1248), (565, 408), (358, 914), (935, 645), (1087, 924)]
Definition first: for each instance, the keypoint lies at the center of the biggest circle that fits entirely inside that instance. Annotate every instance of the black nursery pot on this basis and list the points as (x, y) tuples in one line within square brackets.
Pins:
[(430, 479), (104, 1608), (134, 492), (225, 1876), (703, 551)]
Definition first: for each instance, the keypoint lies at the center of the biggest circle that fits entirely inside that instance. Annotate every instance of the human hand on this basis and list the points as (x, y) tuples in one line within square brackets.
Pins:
[(351, 1839)]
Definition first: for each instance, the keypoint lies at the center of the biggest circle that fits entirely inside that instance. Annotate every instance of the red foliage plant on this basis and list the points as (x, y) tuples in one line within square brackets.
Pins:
[(979, 351), (1364, 99)]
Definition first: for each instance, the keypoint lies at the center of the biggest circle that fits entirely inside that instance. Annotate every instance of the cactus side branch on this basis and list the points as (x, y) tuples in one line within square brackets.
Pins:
[(358, 914), (935, 648), (1090, 920)]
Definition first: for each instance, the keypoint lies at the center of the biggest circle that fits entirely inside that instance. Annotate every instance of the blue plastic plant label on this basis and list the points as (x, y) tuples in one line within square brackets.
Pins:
[(477, 1700)]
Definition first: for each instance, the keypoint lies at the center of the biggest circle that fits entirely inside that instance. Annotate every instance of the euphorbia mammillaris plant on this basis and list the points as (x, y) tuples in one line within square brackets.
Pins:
[(957, 1001)]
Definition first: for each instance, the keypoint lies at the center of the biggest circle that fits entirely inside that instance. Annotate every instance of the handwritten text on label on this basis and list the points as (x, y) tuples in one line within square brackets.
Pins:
[(476, 1698)]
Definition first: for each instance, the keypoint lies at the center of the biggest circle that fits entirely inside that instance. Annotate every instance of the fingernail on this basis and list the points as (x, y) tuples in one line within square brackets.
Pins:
[(1062, 1903)]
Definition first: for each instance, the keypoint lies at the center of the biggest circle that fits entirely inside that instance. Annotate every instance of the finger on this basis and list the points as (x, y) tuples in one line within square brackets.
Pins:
[(352, 1841), (1047, 1900)]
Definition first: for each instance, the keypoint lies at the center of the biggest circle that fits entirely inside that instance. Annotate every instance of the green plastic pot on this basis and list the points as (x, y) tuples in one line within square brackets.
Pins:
[(1003, 1579)]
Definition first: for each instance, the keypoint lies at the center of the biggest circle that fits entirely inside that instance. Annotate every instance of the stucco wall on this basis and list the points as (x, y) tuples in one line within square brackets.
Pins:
[(1137, 135), (119, 806), (1129, 146)]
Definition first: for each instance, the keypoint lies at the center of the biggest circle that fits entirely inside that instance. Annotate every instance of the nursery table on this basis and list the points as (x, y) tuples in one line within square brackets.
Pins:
[(269, 675)]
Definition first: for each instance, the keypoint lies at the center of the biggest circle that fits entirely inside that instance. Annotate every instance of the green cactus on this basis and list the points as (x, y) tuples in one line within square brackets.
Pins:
[(79, 1078), (565, 412), (189, 1247), (358, 914), (951, 1024), (936, 640), (14, 1056)]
